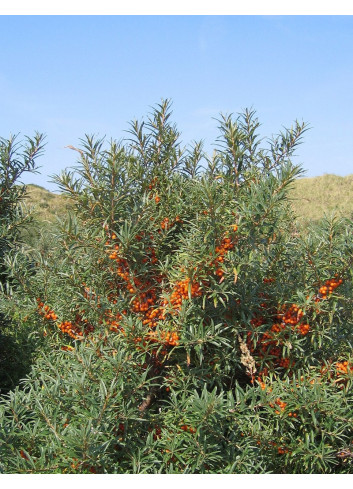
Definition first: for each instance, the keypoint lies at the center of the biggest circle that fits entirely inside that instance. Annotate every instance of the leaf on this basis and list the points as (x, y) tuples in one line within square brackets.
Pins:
[(235, 273)]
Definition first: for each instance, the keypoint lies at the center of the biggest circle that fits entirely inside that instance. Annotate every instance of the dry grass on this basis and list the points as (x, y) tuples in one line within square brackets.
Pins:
[(47, 205), (313, 197)]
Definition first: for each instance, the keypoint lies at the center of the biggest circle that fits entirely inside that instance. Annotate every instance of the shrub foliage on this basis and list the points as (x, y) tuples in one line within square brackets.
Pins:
[(187, 325), (16, 158)]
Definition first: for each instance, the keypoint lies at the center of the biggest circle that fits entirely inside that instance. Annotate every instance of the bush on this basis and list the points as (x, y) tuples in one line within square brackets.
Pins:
[(16, 158), (190, 327)]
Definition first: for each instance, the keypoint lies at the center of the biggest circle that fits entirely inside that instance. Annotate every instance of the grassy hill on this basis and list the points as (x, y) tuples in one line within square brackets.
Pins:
[(48, 206), (311, 198)]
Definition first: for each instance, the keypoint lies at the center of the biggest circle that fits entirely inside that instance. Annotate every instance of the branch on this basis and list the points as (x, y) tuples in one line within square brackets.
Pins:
[(147, 402)]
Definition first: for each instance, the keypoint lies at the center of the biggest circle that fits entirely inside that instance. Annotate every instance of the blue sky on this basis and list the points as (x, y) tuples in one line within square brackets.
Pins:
[(70, 75)]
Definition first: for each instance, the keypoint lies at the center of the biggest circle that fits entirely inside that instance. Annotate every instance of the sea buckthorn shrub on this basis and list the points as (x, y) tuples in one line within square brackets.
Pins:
[(190, 326), (16, 158)]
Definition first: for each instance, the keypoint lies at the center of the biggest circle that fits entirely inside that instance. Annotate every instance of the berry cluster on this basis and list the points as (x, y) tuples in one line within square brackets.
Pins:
[(269, 280), (330, 285), (167, 223), (181, 293), (70, 328), (288, 318), (75, 329), (187, 428), (123, 267), (221, 250), (343, 368), (150, 302), (166, 337), (153, 183), (281, 405), (45, 311), (292, 316)]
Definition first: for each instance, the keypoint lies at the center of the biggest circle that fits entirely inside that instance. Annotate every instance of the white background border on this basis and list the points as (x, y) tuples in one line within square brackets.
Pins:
[(176, 7)]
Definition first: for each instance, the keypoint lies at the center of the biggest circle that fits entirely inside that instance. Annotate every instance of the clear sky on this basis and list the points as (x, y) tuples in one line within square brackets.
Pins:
[(70, 75)]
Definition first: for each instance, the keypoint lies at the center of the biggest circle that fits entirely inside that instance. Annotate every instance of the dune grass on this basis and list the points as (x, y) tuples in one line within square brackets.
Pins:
[(47, 205), (313, 197)]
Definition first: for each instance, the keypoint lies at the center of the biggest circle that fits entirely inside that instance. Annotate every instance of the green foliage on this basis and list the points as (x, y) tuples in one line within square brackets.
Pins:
[(16, 158), (186, 324)]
